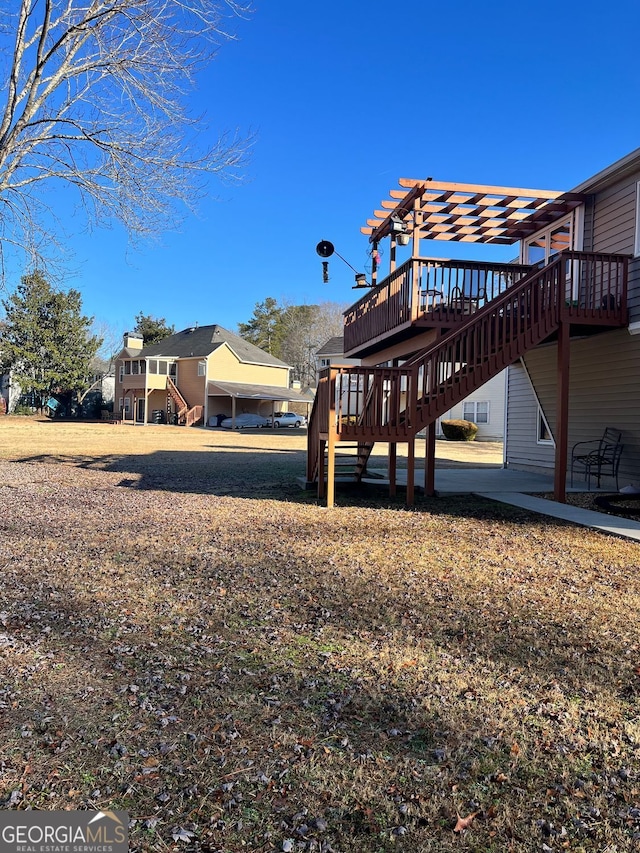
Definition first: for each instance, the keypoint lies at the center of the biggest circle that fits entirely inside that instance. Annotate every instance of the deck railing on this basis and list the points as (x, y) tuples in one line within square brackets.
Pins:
[(381, 402), (423, 288)]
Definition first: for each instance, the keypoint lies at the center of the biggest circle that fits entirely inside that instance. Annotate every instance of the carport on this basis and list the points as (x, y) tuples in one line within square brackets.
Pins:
[(235, 391)]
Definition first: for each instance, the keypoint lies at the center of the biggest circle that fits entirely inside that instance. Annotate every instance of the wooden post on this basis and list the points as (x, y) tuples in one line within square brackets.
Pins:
[(562, 414), (331, 468), (374, 265), (392, 467), (392, 254), (411, 470), (430, 461), (321, 472)]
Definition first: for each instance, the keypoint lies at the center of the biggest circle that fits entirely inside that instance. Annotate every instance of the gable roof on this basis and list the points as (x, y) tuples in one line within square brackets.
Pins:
[(334, 346), (201, 341)]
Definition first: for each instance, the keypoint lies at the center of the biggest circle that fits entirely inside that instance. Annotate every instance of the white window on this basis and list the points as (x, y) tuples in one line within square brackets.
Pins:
[(476, 411), (127, 403), (121, 374), (543, 432), (120, 404), (636, 248), (202, 368)]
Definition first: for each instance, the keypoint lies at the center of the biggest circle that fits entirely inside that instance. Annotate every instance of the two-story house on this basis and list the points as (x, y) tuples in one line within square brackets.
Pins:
[(196, 376), (563, 319)]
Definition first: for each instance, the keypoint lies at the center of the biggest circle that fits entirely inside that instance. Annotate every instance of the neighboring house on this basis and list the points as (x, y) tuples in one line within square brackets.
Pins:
[(331, 353), (564, 320), (486, 407), (198, 376)]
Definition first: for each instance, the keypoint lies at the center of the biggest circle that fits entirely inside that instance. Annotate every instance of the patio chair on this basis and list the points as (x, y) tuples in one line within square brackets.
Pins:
[(598, 457)]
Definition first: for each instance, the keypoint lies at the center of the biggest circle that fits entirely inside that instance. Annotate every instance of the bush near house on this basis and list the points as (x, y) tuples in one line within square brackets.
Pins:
[(459, 430)]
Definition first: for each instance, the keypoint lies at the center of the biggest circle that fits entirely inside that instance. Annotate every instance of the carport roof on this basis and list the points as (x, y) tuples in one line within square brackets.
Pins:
[(245, 391)]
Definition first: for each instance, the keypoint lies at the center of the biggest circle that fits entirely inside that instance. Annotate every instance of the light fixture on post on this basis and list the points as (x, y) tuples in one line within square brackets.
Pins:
[(325, 249)]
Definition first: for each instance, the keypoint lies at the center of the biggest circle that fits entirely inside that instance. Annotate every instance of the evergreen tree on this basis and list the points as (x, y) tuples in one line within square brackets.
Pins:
[(46, 340), (152, 329), (293, 333), (265, 328)]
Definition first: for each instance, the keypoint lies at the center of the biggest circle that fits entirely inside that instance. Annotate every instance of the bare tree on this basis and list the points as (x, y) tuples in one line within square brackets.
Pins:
[(94, 95)]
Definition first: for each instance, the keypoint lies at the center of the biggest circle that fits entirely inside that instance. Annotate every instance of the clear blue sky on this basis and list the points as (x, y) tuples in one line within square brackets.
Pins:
[(345, 97)]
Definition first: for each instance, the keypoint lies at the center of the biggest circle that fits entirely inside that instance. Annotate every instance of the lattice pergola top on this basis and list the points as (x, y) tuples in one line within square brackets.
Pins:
[(471, 213)]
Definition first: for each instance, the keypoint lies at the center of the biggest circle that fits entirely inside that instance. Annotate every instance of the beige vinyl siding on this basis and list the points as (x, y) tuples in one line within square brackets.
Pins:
[(522, 448), (604, 390), (224, 365), (610, 226), (190, 384)]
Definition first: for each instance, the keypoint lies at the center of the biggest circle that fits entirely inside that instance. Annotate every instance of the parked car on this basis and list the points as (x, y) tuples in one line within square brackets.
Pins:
[(245, 421), (287, 419)]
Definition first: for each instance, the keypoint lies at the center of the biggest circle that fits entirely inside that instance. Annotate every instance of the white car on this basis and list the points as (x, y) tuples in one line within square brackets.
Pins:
[(287, 419), (245, 421)]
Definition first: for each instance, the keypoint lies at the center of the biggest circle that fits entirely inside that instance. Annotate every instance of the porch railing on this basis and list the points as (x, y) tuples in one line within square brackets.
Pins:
[(423, 288)]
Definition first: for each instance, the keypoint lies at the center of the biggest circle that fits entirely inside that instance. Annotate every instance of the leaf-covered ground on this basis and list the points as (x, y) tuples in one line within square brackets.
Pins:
[(187, 636)]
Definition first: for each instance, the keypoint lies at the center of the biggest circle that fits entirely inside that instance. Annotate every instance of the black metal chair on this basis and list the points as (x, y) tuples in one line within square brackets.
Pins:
[(598, 457)]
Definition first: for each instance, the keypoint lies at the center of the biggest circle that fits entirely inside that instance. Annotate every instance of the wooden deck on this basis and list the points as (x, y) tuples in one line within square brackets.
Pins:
[(430, 293), (528, 306)]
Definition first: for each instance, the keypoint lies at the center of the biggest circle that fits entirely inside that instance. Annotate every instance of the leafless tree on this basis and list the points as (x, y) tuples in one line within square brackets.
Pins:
[(94, 95)]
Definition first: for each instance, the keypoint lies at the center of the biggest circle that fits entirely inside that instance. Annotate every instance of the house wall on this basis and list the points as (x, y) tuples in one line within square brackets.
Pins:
[(224, 365), (610, 223), (190, 385), (604, 391), (604, 368)]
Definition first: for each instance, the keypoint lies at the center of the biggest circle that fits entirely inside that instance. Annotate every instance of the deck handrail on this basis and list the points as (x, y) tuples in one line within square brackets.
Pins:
[(421, 286)]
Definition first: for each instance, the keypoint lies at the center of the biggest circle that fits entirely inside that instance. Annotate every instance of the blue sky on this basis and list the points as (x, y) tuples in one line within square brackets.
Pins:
[(345, 97)]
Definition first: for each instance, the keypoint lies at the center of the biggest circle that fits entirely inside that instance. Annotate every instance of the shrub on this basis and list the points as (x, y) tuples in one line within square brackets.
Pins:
[(459, 430), (21, 409)]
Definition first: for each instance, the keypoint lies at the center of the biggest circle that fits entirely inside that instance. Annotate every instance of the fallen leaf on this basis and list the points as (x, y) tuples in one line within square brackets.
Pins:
[(464, 822)]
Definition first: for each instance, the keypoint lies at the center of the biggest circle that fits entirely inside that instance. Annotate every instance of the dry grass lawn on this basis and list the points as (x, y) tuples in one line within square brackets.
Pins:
[(187, 636)]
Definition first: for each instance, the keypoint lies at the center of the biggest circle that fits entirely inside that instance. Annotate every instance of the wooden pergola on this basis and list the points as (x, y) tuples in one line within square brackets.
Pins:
[(470, 213)]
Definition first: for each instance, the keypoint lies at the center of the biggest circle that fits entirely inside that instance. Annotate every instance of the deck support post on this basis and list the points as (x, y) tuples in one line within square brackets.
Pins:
[(430, 460), (411, 470), (321, 468), (331, 469), (562, 414), (392, 467)]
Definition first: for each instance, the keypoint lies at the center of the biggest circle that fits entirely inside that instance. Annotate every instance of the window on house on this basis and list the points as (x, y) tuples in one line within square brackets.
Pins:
[(127, 368), (544, 433), (120, 404), (143, 366), (201, 368), (127, 404), (162, 368), (173, 369), (135, 366), (153, 365), (476, 411), (121, 374)]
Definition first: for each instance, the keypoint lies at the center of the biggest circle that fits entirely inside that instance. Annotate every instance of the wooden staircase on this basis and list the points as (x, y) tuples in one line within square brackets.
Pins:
[(362, 405), (187, 416)]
